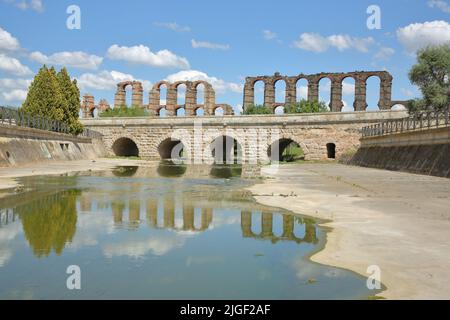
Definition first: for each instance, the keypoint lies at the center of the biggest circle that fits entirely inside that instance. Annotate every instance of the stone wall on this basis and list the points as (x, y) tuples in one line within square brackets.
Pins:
[(254, 134), (19, 145), (423, 151)]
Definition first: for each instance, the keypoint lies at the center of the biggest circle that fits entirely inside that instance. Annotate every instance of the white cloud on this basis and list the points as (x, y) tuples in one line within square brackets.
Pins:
[(107, 80), (440, 4), (318, 43), (7, 83), (219, 85), (15, 95), (75, 59), (348, 88), (35, 5), (209, 45), (407, 92), (7, 41), (13, 66), (14, 90), (172, 26), (142, 55), (269, 35), (419, 35), (346, 107), (384, 53), (311, 42)]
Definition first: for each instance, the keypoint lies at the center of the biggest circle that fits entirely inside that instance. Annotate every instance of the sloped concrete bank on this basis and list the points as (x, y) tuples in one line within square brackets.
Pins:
[(432, 160), (424, 151), (21, 146)]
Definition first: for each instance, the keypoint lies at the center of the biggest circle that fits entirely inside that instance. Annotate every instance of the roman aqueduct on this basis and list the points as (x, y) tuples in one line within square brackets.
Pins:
[(191, 105), (250, 139)]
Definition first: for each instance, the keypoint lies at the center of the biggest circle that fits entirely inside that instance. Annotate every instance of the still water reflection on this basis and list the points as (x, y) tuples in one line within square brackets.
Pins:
[(161, 232)]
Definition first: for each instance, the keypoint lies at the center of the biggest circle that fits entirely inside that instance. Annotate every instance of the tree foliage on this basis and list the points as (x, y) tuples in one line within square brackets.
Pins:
[(305, 106), (124, 111), (431, 75), (71, 94), (256, 109), (54, 96)]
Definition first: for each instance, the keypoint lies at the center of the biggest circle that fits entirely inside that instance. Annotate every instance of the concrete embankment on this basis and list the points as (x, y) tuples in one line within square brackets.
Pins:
[(21, 146), (424, 151)]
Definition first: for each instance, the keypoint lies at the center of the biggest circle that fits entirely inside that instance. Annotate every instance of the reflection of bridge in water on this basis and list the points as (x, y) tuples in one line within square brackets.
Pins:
[(168, 220), (289, 223), (163, 215), (49, 219)]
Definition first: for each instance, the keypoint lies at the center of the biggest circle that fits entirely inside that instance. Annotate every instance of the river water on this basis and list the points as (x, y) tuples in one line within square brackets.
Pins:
[(160, 232)]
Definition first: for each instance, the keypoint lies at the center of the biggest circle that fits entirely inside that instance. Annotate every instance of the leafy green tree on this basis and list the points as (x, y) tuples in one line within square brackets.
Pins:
[(305, 106), (256, 109), (54, 96), (71, 95), (44, 97), (431, 75)]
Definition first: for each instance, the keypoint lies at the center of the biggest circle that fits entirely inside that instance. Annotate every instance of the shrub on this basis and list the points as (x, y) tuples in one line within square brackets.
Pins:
[(256, 109), (124, 111), (305, 106)]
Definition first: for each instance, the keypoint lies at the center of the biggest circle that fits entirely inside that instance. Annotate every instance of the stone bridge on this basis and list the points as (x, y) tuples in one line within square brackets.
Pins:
[(245, 139)]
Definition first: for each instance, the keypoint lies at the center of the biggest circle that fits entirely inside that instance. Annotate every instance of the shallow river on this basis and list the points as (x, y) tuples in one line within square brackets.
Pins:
[(162, 232)]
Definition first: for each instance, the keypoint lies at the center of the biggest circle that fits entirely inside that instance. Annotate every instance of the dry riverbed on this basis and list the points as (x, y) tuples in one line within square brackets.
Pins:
[(398, 221)]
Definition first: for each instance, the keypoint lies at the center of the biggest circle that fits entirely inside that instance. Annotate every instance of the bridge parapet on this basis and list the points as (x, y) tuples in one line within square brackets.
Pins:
[(253, 135)]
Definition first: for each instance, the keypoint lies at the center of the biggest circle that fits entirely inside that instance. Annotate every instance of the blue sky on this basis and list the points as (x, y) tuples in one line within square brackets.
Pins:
[(220, 41)]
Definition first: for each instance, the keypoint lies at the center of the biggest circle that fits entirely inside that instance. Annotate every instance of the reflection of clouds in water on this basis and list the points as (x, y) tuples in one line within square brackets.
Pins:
[(89, 228), (221, 219), (5, 255), (137, 248), (204, 260), (10, 231), (7, 234), (304, 269)]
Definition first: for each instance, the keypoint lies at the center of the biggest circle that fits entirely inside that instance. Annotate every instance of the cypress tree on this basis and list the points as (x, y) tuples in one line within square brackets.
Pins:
[(71, 96), (54, 96), (44, 97)]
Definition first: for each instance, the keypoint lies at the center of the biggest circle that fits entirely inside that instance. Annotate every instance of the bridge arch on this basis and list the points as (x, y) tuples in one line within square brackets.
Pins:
[(276, 151), (226, 149), (171, 149), (125, 147)]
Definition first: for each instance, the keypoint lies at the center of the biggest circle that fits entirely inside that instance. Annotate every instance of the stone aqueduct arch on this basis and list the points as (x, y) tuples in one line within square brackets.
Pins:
[(191, 101), (209, 105), (137, 94), (360, 77)]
